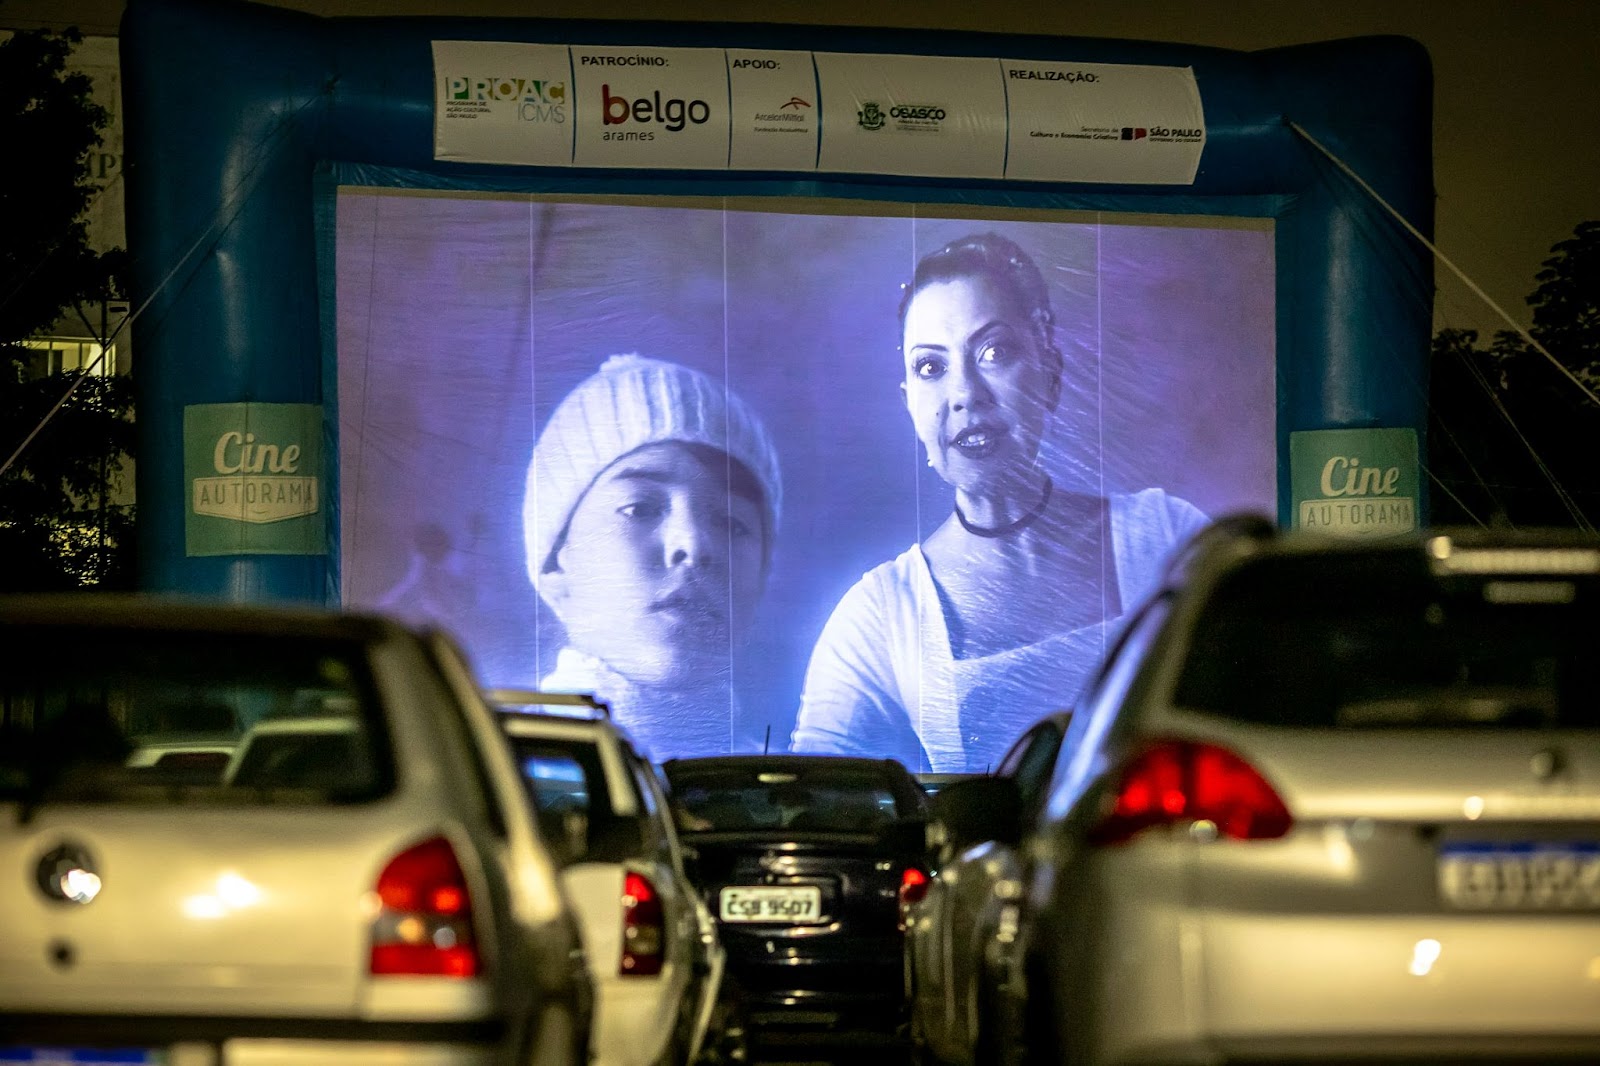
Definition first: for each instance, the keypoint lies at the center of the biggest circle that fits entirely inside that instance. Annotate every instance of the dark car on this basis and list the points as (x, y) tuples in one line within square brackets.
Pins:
[(803, 860), (951, 933)]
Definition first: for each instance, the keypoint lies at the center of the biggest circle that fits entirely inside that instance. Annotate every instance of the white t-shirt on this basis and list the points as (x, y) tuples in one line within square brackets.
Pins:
[(883, 681)]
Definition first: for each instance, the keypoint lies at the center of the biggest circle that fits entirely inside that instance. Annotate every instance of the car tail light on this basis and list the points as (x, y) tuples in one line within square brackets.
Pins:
[(913, 886), (913, 889), (1176, 781), (644, 929), (424, 921)]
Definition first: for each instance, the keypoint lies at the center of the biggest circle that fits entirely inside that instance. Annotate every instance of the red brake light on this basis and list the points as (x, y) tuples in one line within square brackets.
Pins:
[(913, 886), (644, 931), (1186, 781), (424, 923)]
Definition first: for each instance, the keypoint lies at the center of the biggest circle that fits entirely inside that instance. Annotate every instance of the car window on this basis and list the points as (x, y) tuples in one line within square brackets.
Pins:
[(1375, 643), (1081, 758), (1010, 761), (566, 780), (831, 799), (1033, 768), (319, 759), (661, 840), (90, 714)]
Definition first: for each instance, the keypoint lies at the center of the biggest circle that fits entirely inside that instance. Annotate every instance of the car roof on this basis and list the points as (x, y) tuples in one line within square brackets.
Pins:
[(777, 762), (712, 765), (563, 726), (513, 698), (1242, 540), (308, 724), (190, 739)]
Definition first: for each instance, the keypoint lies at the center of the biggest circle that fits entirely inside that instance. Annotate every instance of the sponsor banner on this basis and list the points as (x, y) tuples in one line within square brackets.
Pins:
[(254, 472), (1355, 482), (941, 116), (502, 102), (1103, 122), (774, 99), (651, 107)]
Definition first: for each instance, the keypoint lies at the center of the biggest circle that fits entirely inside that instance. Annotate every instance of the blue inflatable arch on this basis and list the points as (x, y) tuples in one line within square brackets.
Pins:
[(242, 119)]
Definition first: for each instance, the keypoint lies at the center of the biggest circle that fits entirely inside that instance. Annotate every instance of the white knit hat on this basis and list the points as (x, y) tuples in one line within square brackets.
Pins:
[(629, 403)]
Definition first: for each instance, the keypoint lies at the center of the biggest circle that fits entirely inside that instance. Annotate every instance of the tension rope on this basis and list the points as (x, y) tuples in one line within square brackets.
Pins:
[(1561, 493)]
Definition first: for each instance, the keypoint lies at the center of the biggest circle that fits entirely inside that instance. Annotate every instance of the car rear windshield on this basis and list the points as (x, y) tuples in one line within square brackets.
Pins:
[(101, 715), (1379, 642), (566, 781), (833, 799)]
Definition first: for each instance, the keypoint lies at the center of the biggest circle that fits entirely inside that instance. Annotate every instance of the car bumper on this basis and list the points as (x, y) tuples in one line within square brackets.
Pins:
[(825, 993), (1140, 966), (1486, 976), (263, 1041), (1204, 987), (635, 1019)]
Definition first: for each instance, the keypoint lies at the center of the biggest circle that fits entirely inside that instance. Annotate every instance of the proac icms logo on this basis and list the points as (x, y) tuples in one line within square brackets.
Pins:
[(534, 99), (255, 481)]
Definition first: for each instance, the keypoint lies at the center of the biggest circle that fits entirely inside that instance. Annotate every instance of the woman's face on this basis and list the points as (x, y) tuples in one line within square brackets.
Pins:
[(662, 565), (978, 383)]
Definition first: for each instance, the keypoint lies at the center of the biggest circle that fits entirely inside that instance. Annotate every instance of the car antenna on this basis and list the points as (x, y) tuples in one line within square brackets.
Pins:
[(766, 744)]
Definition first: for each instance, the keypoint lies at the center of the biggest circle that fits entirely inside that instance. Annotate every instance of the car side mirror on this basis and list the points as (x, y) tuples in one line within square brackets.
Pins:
[(977, 811)]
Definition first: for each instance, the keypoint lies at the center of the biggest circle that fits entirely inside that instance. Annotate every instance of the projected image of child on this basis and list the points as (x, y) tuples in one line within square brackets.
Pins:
[(649, 515), (941, 657)]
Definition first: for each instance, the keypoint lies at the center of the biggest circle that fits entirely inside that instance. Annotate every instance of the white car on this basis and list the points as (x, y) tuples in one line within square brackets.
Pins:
[(373, 890), (198, 758), (651, 943)]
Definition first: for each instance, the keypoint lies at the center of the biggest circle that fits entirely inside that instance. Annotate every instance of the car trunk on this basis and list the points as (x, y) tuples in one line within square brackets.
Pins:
[(196, 910), (851, 877), (1417, 821)]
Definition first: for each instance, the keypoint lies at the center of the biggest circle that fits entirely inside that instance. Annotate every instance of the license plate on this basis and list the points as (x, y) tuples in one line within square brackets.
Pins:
[(1520, 877), (790, 904), (66, 1056)]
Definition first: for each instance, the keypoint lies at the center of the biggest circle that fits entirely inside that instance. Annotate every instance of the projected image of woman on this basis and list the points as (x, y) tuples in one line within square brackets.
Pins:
[(649, 516), (944, 655)]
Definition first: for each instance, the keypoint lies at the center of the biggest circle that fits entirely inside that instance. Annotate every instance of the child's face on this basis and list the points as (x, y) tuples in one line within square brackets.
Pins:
[(662, 564)]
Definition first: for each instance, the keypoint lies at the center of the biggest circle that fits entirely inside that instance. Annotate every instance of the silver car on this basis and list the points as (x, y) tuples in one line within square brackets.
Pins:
[(364, 883), (1329, 801)]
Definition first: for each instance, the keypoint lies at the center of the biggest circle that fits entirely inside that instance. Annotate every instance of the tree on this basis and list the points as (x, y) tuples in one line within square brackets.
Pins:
[(1511, 437), (59, 525)]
